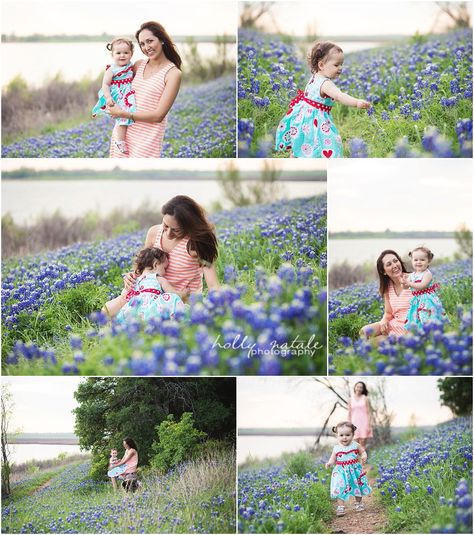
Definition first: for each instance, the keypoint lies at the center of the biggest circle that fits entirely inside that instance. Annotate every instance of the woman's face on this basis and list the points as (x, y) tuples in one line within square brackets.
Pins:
[(358, 389), (391, 266), (150, 45), (171, 228), (125, 445)]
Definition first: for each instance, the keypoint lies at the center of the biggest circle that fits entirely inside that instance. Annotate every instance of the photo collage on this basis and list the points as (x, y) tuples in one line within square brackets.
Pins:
[(237, 277)]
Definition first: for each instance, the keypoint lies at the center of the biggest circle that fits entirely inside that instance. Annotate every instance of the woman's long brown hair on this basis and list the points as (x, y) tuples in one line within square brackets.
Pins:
[(169, 48), (194, 224)]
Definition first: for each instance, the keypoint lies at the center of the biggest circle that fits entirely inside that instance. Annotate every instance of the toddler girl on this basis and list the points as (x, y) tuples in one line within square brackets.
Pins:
[(348, 478), (117, 88), (152, 295), (425, 304), (113, 458), (307, 129)]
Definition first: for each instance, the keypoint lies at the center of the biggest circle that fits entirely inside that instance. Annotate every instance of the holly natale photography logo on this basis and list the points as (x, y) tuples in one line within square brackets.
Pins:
[(296, 347)]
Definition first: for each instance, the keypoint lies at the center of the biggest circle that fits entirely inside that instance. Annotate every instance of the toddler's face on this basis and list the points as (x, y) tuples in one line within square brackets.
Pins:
[(121, 54), (113, 453), (419, 261), (345, 435), (331, 66)]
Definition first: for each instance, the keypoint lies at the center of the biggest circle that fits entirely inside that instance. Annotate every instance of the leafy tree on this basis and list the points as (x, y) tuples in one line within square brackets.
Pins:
[(456, 393), (463, 237), (112, 408), (7, 407), (177, 441)]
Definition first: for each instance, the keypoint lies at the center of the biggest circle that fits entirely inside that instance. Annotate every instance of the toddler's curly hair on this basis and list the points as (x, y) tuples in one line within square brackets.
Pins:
[(319, 51), (348, 424), (118, 40), (147, 257), (428, 252)]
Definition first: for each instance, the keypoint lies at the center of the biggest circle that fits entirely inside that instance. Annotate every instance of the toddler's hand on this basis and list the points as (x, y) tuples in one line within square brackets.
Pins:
[(328, 464), (110, 102), (363, 104)]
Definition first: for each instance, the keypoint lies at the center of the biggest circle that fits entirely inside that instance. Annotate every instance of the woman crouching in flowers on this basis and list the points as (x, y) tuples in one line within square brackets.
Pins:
[(348, 478), (396, 295), (189, 240), (152, 295)]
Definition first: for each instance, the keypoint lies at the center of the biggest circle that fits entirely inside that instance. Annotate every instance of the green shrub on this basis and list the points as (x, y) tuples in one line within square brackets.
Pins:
[(300, 463), (177, 440)]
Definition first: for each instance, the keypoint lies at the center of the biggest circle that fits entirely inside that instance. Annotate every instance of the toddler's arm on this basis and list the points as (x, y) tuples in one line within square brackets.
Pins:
[(425, 282), (112, 307), (167, 286), (332, 460), (330, 89), (106, 81)]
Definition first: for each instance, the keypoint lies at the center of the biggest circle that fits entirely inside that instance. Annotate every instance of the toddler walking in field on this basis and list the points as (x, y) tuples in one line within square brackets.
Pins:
[(152, 297), (425, 304), (117, 88), (348, 478), (307, 130)]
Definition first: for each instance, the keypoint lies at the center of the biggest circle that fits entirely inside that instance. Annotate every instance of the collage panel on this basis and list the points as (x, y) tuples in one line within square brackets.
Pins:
[(119, 455), (400, 267), (101, 274), (370, 79), (145, 82), (354, 455)]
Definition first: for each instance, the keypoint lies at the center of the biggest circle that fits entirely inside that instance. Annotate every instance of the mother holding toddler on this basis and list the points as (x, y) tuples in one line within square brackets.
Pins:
[(156, 84), (396, 296), (191, 243)]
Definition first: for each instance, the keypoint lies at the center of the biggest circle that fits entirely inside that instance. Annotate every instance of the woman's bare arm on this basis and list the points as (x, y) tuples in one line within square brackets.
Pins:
[(173, 82), (210, 276)]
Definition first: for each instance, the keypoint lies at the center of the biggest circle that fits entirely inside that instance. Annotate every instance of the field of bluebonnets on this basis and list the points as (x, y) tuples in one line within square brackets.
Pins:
[(196, 497), (269, 317), (420, 91), (424, 484), (441, 349), (201, 124)]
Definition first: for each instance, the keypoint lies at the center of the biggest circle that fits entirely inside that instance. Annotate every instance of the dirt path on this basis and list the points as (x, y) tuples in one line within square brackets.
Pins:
[(371, 520)]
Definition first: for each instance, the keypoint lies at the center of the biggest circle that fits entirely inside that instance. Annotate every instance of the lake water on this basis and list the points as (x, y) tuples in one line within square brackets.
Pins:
[(25, 200), (359, 251), (41, 452), (261, 447), (39, 62)]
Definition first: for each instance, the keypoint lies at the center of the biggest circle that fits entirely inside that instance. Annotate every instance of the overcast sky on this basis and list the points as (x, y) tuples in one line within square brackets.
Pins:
[(301, 402), (400, 194), (355, 17), (117, 17), (42, 404)]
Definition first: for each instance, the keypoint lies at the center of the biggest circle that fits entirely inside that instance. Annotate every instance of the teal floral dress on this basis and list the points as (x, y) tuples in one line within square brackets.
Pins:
[(307, 128), (348, 478), (121, 92), (148, 301), (425, 305)]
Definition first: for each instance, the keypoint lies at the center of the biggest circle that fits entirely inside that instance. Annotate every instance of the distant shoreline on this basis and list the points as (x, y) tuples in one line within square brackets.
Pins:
[(46, 441), (11, 38), (415, 234)]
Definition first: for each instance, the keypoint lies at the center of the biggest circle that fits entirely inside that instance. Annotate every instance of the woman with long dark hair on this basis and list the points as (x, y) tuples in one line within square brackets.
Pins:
[(396, 296), (191, 243), (360, 413), (155, 85), (127, 464)]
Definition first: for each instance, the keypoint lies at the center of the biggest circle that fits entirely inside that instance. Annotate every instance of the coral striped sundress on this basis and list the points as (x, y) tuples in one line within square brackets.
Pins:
[(400, 305), (145, 140), (183, 271)]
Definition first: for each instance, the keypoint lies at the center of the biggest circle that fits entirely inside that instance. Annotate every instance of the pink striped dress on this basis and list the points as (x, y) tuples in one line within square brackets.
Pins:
[(183, 271), (145, 140), (400, 305)]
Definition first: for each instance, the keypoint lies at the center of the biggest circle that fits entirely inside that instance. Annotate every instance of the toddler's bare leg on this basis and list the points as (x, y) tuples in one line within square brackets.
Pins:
[(121, 132)]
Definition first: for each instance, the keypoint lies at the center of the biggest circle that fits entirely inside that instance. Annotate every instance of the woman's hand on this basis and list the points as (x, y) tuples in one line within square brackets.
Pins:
[(129, 280), (384, 326), (116, 111), (110, 102)]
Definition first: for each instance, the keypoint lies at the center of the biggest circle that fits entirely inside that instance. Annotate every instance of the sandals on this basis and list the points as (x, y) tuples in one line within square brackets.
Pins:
[(359, 506), (121, 146), (340, 511)]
